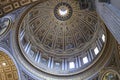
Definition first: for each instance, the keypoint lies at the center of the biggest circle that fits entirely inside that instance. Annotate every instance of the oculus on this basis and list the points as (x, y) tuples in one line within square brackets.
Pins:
[(63, 11)]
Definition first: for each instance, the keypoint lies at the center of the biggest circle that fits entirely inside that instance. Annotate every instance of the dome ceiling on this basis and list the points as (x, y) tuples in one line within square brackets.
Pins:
[(59, 27), (58, 36)]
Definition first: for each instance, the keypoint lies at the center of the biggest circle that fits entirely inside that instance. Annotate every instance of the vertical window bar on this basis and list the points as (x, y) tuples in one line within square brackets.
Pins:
[(22, 34), (52, 62), (63, 64), (28, 47), (49, 62), (97, 44), (66, 64), (38, 57), (76, 62), (91, 54), (100, 42), (79, 61)]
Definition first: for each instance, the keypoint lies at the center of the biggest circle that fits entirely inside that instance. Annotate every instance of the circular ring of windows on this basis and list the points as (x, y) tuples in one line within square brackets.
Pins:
[(63, 66)]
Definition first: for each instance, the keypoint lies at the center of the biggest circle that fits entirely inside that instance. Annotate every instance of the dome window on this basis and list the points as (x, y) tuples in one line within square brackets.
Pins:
[(71, 65), (85, 60), (96, 51), (103, 38)]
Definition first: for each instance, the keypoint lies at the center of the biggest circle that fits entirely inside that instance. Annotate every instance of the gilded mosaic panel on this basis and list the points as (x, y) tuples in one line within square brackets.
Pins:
[(7, 6), (8, 70)]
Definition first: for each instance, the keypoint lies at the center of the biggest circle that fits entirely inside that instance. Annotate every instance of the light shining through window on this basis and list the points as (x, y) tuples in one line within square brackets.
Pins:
[(103, 38), (63, 12), (85, 60), (96, 51), (72, 65)]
